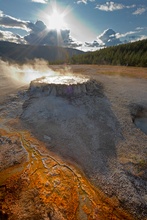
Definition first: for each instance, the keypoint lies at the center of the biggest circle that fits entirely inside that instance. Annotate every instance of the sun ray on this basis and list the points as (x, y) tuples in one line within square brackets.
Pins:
[(56, 20), (55, 16)]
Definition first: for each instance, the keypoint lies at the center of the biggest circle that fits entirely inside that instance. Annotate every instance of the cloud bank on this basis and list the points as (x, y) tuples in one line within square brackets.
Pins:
[(7, 21), (9, 36), (111, 38), (41, 35), (108, 37), (38, 33), (112, 6)]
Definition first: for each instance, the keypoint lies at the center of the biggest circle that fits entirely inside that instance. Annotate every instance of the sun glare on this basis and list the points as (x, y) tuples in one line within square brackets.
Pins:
[(56, 21)]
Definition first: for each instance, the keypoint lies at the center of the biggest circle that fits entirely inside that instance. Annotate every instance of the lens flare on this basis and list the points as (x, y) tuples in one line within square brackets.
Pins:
[(56, 21)]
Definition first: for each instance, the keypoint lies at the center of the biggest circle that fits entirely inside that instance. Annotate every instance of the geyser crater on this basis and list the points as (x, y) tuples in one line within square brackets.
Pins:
[(66, 86)]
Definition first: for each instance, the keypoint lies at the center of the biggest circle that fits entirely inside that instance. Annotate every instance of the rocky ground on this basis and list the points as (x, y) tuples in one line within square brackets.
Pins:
[(52, 146)]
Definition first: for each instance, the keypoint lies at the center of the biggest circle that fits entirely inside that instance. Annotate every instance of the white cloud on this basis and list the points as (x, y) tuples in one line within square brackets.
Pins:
[(140, 11), (118, 35), (141, 37), (84, 1), (112, 6), (38, 33), (140, 28), (95, 43), (11, 37), (107, 38), (40, 1), (41, 35), (110, 38), (7, 21)]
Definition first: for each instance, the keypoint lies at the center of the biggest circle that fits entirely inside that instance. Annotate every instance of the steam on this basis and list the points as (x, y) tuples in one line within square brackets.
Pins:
[(24, 74)]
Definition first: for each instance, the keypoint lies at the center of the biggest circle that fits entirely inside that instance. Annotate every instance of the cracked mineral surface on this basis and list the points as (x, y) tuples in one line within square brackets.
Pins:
[(42, 186), (73, 155)]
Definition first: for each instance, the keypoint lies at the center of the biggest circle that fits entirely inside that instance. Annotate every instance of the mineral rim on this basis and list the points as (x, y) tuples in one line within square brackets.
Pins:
[(63, 86)]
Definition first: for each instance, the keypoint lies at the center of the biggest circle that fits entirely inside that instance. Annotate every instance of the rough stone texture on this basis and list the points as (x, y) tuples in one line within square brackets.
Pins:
[(84, 126), (11, 152), (65, 86), (116, 159)]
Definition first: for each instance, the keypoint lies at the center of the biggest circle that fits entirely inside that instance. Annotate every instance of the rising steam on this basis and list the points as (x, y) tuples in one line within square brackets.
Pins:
[(24, 74)]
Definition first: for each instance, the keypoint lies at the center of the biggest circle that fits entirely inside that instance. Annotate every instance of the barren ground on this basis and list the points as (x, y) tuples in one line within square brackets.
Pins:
[(97, 137)]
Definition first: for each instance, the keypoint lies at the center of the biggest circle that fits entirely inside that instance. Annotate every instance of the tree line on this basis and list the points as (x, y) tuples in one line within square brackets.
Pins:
[(130, 54)]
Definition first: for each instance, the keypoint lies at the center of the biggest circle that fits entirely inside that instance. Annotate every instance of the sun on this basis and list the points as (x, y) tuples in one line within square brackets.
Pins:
[(56, 20)]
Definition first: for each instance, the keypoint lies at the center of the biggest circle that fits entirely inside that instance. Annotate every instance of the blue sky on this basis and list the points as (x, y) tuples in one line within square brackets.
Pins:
[(81, 24)]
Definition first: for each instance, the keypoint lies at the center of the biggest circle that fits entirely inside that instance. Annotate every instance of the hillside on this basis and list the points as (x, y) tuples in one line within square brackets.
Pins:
[(21, 53), (130, 54)]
